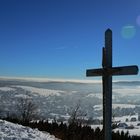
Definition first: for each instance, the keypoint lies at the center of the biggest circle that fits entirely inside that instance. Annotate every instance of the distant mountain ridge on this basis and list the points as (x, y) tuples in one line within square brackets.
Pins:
[(54, 97)]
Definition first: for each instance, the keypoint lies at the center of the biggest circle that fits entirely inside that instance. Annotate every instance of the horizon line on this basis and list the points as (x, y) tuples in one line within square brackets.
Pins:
[(45, 79)]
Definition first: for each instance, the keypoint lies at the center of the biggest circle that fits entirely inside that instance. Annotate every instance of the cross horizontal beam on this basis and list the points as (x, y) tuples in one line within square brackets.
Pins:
[(116, 71)]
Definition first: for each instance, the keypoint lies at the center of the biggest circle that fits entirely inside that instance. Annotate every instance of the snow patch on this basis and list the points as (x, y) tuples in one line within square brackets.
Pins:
[(7, 89), (127, 91), (97, 95), (22, 96), (10, 131), (41, 91), (114, 106)]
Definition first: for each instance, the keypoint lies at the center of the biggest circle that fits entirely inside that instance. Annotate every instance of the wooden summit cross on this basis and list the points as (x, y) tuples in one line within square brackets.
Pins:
[(107, 72)]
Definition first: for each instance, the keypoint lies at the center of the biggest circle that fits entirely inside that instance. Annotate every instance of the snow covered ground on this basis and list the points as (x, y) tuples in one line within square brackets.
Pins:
[(7, 89), (134, 131), (10, 131), (114, 106), (130, 123), (41, 91)]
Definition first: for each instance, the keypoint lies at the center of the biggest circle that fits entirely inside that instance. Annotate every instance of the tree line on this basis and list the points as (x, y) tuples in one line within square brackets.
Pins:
[(73, 131)]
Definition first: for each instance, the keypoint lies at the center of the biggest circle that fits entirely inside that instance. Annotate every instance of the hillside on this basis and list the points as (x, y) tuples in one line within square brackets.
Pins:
[(12, 131)]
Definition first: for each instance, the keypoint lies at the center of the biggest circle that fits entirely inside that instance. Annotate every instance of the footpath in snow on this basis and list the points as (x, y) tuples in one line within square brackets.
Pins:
[(11, 131)]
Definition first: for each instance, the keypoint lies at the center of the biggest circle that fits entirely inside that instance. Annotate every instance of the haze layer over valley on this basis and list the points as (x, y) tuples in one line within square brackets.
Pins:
[(55, 99)]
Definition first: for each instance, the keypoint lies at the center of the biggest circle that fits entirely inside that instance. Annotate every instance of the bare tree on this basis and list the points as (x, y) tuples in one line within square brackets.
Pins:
[(27, 110), (77, 115)]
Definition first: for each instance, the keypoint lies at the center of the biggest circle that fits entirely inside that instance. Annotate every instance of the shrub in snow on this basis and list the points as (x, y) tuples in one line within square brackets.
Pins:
[(133, 119), (139, 117), (122, 125)]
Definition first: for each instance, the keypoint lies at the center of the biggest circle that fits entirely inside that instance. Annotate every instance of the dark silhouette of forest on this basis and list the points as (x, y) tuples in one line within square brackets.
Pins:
[(73, 131)]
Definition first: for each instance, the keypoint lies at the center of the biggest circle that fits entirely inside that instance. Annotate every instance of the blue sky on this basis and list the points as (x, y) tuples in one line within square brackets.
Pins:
[(63, 38)]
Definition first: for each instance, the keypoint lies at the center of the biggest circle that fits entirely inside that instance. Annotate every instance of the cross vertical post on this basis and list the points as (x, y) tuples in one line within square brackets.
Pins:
[(107, 72), (107, 86)]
